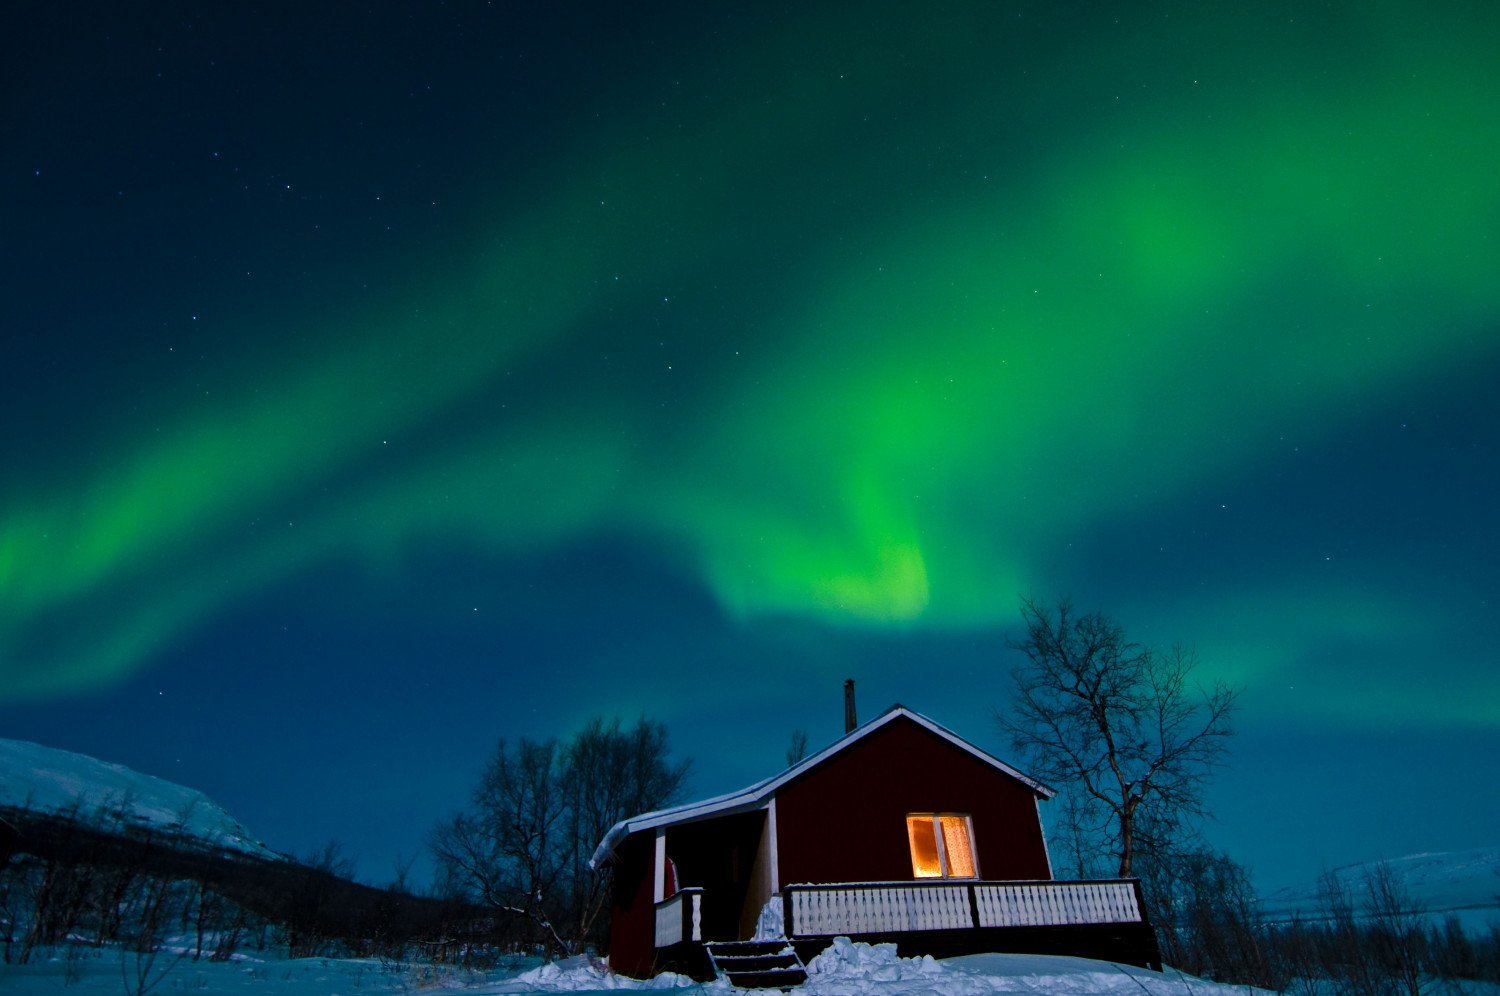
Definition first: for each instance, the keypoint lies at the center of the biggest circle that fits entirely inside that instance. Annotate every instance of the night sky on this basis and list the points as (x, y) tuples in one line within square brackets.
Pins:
[(382, 379)]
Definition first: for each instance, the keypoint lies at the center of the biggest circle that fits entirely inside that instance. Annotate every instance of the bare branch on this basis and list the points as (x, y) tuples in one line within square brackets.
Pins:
[(1125, 724)]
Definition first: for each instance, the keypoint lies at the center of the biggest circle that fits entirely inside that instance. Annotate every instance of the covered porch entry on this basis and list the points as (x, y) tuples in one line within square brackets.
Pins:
[(726, 863)]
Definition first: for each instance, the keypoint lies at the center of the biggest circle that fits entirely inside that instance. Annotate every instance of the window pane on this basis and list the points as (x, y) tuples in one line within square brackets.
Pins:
[(924, 854), (956, 844)]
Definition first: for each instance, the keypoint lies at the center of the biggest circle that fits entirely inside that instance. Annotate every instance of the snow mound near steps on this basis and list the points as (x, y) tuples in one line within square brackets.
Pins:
[(857, 969), (848, 968), (583, 974)]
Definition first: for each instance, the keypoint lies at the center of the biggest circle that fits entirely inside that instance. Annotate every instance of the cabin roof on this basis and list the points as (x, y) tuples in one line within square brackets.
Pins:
[(755, 796)]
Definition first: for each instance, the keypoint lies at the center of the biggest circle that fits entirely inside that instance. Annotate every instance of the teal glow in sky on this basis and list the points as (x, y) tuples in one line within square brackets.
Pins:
[(696, 358)]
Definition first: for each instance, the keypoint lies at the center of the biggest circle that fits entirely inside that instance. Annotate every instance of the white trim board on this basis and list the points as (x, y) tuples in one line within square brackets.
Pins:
[(659, 890)]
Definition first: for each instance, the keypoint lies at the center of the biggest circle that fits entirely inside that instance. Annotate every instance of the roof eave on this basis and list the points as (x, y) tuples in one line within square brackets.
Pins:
[(755, 796)]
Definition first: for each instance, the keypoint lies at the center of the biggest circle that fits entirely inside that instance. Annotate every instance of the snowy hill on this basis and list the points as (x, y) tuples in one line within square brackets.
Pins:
[(111, 797), (1464, 883)]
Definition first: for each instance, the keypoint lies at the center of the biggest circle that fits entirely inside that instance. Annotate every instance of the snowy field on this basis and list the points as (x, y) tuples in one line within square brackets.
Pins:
[(844, 970), (1466, 884)]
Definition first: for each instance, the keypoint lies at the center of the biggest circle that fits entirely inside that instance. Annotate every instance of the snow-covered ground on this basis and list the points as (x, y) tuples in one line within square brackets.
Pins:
[(1465, 884), (48, 780), (844, 970)]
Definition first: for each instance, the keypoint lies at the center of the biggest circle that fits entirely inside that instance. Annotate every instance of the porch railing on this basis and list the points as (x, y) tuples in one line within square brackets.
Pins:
[(892, 907), (680, 918), (1014, 904)]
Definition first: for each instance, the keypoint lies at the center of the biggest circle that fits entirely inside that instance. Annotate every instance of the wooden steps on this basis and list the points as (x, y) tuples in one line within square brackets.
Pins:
[(757, 964)]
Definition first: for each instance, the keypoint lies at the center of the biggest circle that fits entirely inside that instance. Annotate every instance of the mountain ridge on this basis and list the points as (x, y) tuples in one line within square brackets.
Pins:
[(57, 783), (1463, 883)]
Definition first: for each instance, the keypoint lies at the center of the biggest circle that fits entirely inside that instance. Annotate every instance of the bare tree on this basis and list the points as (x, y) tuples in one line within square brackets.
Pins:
[(1078, 825), (610, 774), (538, 813), (508, 851), (796, 750), (1208, 918), (1345, 956), (140, 970), (1125, 725), (1396, 929)]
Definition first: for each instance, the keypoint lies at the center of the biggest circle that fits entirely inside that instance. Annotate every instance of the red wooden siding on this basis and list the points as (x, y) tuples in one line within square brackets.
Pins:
[(845, 820), (632, 915)]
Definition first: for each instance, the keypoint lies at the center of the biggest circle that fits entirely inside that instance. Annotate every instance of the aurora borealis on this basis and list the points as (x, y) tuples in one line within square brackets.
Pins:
[(379, 384)]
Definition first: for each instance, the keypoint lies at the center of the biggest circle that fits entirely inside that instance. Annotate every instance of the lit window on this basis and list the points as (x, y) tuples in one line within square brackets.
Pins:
[(940, 846)]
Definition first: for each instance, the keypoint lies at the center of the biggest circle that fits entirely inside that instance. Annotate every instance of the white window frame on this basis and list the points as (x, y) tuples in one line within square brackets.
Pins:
[(942, 850)]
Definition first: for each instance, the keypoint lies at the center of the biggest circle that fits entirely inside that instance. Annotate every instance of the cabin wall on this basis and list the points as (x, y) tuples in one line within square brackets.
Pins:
[(845, 820), (632, 914), (759, 891)]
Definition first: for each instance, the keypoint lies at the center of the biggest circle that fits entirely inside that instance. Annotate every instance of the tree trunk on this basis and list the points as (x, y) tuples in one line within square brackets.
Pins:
[(1127, 840)]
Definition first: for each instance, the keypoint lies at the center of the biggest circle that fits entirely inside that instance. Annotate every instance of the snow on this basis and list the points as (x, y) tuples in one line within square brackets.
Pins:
[(769, 925), (857, 969), (584, 974), (56, 781), (1465, 884), (845, 969), (48, 780)]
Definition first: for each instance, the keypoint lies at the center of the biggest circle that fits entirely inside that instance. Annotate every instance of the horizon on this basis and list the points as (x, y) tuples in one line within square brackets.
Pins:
[(423, 884)]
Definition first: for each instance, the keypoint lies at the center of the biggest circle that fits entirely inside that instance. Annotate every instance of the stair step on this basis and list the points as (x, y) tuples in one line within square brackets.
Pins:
[(780, 979), (758, 964), (749, 947), (768, 956)]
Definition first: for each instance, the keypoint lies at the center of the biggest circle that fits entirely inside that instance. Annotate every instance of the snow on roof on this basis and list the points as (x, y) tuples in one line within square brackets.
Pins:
[(755, 796)]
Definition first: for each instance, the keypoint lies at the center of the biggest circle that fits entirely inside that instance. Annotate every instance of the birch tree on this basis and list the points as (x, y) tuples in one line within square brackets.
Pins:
[(1125, 727)]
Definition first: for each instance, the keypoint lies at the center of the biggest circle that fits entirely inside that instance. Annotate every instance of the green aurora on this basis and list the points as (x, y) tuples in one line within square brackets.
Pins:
[(861, 323)]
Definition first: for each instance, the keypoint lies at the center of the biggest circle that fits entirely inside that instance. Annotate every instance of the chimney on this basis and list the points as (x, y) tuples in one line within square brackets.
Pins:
[(850, 720)]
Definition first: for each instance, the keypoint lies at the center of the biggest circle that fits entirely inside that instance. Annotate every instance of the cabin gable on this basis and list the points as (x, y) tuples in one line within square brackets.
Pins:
[(845, 820)]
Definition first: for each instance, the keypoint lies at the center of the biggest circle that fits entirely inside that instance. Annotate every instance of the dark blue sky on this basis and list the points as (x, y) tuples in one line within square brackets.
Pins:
[(380, 383)]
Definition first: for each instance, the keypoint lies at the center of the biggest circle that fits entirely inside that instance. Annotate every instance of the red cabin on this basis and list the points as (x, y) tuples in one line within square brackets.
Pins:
[(900, 831)]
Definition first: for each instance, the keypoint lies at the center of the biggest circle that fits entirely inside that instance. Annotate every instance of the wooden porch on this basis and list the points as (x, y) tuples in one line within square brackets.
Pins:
[(1103, 919)]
